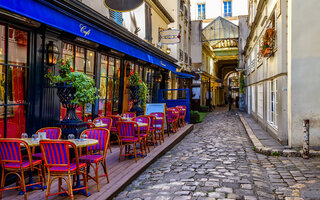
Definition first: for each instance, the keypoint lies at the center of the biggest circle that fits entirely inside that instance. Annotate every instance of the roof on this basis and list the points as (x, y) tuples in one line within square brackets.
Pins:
[(220, 29)]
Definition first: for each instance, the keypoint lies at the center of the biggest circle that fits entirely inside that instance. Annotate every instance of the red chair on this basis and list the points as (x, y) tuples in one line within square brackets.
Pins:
[(12, 162), (57, 162), (159, 124), (128, 115), (172, 120), (144, 130), (152, 129), (97, 153), (182, 115), (53, 133), (104, 120), (113, 129), (129, 134)]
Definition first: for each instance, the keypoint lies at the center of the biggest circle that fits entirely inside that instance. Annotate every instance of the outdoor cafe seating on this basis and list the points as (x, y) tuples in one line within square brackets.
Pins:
[(13, 162), (69, 159)]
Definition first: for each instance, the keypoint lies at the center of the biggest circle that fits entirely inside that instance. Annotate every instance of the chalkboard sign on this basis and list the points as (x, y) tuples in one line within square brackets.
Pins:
[(155, 107)]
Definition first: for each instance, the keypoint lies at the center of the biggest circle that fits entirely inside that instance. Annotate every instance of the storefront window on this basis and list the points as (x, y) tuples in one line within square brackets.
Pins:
[(84, 62), (13, 81), (149, 82), (109, 85)]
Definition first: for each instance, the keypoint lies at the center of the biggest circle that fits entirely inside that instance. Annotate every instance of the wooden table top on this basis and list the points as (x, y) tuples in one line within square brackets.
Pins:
[(78, 142)]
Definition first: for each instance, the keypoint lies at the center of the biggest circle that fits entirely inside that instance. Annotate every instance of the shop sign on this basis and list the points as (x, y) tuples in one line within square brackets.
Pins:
[(84, 29), (170, 36)]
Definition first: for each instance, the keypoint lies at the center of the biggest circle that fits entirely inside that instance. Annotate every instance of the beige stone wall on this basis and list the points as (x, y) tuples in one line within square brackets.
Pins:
[(268, 68), (303, 70)]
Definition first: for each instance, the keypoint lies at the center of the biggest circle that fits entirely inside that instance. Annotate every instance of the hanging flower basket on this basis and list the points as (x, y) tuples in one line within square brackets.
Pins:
[(268, 43)]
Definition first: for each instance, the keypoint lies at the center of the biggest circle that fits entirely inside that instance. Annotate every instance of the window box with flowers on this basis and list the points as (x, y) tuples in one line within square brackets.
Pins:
[(268, 43)]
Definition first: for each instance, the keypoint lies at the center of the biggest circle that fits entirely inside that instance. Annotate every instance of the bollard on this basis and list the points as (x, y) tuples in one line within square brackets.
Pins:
[(305, 150)]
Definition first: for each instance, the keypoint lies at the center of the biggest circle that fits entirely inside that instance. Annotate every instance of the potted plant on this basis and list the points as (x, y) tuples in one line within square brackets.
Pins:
[(74, 89), (138, 93)]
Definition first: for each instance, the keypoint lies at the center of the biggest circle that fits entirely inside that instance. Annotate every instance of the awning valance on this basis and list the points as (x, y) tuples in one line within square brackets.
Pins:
[(51, 15), (182, 75)]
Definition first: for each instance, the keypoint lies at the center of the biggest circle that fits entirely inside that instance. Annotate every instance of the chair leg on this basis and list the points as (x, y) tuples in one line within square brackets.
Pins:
[(48, 186), (97, 176), (2, 182), (23, 185), (60, 183), (40, 175), (70, 191), (104, 165), (134, 152), (121, 147)]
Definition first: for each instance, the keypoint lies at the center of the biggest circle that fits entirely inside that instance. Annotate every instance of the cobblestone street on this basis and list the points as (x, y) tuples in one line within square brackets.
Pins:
[(216, 161)]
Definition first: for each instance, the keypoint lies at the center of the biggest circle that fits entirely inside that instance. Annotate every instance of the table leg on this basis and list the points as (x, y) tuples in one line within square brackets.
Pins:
[(32, 187), (78, 185)]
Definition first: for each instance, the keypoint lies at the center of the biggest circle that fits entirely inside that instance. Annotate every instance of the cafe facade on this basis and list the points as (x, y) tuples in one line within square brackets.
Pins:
[(34, 34)]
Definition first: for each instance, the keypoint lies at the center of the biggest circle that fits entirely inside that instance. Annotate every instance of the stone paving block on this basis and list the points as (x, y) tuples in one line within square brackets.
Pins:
[(216, 160)]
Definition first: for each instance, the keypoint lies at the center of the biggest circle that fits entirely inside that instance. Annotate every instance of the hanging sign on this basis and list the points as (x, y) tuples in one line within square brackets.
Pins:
[(170, 36), (123, 5)]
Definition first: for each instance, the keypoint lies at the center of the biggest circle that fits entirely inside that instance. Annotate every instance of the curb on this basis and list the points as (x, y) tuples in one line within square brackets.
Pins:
[(260, 148)]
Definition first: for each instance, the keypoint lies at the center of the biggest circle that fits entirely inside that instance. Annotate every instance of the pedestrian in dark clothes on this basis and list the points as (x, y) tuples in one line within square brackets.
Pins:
[(230, 101)]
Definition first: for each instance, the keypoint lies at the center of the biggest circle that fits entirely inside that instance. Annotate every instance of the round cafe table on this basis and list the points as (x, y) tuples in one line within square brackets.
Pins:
[(79, 144)]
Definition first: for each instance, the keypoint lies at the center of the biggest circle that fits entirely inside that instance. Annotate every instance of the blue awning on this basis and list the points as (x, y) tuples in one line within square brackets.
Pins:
[(40, 11), (182, 75)]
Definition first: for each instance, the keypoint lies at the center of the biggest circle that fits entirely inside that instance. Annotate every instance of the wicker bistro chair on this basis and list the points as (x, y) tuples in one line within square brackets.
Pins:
[(145, 130), (129, 134), (107, 121), (159, 125), (12, 162), (104, 120), (96, 154), (182, 115), (57, 162), (152, 130), (128, 115), (113, 130), (172, 121), (53, 133)]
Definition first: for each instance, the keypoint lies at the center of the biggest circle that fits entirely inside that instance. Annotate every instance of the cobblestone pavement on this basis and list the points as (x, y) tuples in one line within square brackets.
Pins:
[(216, 161)]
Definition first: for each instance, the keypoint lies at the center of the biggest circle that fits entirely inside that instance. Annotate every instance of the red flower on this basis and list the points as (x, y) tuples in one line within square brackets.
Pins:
[(60, 71), (131, 73), (49, 70), (72, 70), (140, 81)]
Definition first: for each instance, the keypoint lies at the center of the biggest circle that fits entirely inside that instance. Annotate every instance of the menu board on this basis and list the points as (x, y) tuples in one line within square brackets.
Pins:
[(155, 107)]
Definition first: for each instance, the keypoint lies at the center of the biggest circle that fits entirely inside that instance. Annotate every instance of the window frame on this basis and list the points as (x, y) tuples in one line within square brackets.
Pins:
[(227, 6), (201, 11), (6, 64)]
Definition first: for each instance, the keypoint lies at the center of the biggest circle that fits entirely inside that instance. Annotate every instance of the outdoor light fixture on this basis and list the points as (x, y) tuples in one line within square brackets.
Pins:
[(168, 51), (52, 54), (158, 77)]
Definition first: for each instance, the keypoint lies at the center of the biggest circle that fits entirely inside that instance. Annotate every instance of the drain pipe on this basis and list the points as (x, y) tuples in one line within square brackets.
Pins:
[(306, 136)]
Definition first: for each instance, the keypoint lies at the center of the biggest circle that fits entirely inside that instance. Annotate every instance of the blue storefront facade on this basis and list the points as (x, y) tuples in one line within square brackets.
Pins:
[(97, 47)]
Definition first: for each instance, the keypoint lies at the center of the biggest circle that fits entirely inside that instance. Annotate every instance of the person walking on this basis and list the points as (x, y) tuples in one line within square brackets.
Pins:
[(230, 101)]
